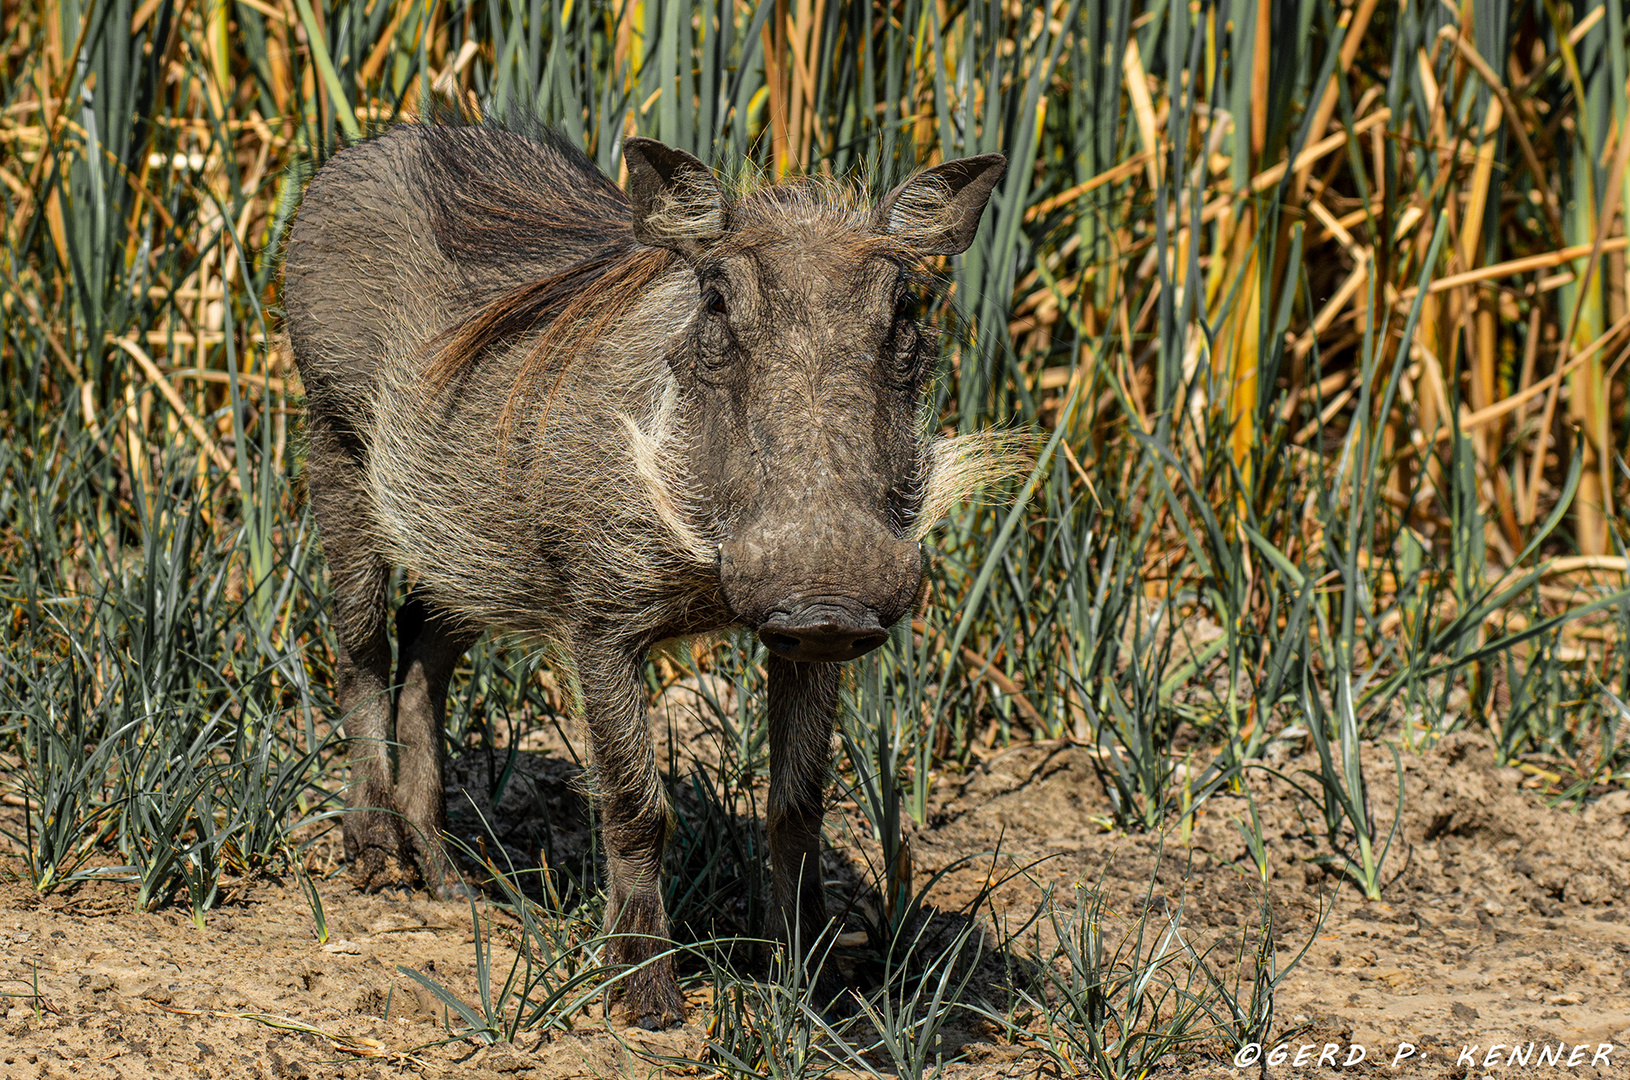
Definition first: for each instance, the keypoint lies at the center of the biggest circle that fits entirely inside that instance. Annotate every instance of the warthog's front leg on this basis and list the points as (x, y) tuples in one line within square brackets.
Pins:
[(635, 821), (803, 705)]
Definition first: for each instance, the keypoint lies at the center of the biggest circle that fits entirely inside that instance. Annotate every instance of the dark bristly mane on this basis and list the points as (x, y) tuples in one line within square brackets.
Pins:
[(574, 307), (502, 197)]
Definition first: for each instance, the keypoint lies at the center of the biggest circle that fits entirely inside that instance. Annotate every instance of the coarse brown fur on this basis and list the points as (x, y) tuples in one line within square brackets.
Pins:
[(603, 421)]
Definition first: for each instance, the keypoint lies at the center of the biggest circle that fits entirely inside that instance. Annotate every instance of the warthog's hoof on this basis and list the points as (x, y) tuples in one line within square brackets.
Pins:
[(378, 851), (651, 998), (376, 869)]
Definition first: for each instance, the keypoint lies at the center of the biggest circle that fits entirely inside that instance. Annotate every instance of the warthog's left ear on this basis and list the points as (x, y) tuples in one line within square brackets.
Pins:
[(939, 209), (677, 201)]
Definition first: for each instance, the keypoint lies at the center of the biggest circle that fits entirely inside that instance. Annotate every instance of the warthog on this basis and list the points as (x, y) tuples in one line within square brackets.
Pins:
[(603, 420)]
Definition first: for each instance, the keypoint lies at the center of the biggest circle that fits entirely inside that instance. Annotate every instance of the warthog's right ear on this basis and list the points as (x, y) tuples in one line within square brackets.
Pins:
[(677, 201)]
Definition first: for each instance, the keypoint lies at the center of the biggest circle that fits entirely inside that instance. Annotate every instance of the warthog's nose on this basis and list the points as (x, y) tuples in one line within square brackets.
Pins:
[(822, 632)]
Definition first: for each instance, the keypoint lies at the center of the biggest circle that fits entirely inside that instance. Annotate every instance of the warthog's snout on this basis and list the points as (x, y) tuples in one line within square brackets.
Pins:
[(828, 629), (824, 587)]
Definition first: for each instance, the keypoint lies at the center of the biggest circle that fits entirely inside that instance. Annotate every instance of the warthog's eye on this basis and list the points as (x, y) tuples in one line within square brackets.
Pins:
[(716, 345), (905, 336)]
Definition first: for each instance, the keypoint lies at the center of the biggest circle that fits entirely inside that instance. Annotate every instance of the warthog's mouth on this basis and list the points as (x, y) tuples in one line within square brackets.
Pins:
[(827, 631)]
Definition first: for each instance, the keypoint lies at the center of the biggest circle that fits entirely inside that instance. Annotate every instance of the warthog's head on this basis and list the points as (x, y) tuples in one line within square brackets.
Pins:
[(803, 374)]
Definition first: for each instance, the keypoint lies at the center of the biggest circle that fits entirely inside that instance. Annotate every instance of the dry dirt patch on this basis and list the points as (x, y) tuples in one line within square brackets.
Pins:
[(1504, 921), (1505, 924)]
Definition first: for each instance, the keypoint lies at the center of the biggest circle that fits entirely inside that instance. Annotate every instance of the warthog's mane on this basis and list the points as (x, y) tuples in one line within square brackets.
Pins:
[(574, 309)]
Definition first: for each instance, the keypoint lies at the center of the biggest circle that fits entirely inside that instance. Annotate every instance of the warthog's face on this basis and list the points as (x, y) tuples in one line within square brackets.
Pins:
[(804, 371)]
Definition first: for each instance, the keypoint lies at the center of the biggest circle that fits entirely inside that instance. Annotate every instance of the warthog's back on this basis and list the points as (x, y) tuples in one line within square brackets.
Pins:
[(400, 236), (450, 248)]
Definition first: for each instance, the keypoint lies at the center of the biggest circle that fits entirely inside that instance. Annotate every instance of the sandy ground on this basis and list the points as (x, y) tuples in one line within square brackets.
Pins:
[(1503, 923)]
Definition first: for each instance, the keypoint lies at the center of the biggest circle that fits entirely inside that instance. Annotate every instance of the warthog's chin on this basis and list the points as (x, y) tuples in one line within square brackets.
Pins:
[(830, 630)]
